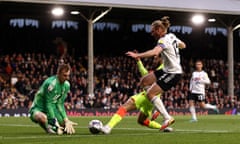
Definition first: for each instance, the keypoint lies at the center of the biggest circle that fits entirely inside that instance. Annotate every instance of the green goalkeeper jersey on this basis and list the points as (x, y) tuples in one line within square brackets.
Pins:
[(51, 96)]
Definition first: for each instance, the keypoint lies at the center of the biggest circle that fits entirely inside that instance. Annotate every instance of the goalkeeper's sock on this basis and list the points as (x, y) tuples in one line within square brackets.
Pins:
[(117, 117), (152, 124)]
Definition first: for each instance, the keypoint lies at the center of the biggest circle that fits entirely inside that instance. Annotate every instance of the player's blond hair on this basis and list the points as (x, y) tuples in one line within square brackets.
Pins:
[(164, 23), (63, 68)]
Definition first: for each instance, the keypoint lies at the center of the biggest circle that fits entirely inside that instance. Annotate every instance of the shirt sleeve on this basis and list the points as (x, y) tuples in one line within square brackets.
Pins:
[(161, 43), (141, 68), (160, 67), (50, 105), (60, 103), (205, 79), (61, 108), (190, 85)]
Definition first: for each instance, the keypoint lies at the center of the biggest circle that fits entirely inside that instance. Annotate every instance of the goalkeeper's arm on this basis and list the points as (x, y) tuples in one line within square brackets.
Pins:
[(69, 129)]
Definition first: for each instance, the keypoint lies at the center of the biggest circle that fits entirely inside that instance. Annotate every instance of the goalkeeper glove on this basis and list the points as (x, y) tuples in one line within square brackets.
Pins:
[(69, 127)]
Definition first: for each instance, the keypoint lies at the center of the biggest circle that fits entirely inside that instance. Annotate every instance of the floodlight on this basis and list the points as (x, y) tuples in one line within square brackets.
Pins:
[(198, 19), (58, 11), (211, 20), (74, 12)]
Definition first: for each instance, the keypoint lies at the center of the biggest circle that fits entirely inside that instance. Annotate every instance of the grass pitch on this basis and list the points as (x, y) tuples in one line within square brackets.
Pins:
[(212, 129)]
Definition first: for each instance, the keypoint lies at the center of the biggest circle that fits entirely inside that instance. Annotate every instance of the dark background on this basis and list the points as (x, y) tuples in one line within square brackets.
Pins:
[(28, 39)]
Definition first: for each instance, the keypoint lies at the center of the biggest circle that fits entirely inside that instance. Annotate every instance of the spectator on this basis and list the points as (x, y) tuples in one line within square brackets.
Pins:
[(113, 83)]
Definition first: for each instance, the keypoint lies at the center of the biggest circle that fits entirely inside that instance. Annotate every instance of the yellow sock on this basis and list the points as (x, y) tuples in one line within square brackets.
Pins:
[(114, 120), (117, 117), (152, 124)]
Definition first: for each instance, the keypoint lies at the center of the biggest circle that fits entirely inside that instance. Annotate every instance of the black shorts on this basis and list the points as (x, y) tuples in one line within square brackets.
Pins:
[(167, 80), (196, 97)]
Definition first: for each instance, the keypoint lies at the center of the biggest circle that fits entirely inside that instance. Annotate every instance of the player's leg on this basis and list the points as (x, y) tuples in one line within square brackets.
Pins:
[(120, 113), (152, 93), (192, 98), (143, 120), (209, 106), (164, 81), (148, 80), (146, 107), (155, 114), (41, 118), (192, 110), (122, 110)]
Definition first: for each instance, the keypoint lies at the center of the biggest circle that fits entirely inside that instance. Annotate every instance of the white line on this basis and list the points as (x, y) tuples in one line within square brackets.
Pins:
[(76, 136), (147, 129), (17, 125), (202, 131), (119, 134)]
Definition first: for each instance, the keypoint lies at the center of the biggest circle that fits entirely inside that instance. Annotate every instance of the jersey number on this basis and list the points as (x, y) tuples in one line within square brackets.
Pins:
[(174, 44), (176, 49)]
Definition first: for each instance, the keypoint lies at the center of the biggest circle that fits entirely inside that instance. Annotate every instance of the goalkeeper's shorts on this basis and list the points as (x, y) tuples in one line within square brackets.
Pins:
[(142, 103), (33, 110)]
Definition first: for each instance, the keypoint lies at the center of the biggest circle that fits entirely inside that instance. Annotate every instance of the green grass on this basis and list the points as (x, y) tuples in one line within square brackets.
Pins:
[(211, 129)]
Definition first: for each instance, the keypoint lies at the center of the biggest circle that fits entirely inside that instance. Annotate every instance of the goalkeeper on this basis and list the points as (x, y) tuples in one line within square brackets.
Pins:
[(48, 105), (137, 102)]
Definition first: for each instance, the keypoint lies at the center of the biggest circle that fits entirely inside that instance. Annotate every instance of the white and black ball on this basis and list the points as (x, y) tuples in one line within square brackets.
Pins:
[(94, 126)]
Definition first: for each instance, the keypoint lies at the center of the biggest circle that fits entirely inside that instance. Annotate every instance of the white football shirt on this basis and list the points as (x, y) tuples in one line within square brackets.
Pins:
[(198, 82), (170, 53)]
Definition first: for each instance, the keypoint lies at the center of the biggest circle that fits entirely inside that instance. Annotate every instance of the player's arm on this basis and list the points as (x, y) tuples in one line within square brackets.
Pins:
[(191, 83), (61, 108), (153, 52), (160, 66), (205, 79), (50, 105), (69, 129), (141, 68), (181, 44)]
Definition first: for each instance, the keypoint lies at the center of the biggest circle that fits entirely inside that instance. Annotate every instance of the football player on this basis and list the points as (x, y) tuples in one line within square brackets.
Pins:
[(197, 90), (137, 102), (48, 106)]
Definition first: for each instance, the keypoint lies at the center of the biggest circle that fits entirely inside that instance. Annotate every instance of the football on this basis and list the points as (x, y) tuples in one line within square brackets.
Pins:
[(94, 126)]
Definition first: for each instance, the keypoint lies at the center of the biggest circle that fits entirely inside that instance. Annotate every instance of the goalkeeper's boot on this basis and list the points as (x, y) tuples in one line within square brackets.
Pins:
[(166, 123), (155, 115), (106, 129)]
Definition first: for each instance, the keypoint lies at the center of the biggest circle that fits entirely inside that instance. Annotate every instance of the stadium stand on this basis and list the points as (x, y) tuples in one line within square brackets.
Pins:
[(116, 78)]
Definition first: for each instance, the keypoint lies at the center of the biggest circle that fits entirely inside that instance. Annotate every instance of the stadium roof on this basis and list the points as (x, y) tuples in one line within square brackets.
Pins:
[(41, 8), (231, 7)]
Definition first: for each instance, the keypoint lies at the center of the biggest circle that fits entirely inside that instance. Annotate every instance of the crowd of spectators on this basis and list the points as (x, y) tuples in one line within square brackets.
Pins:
[(115, 80)]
